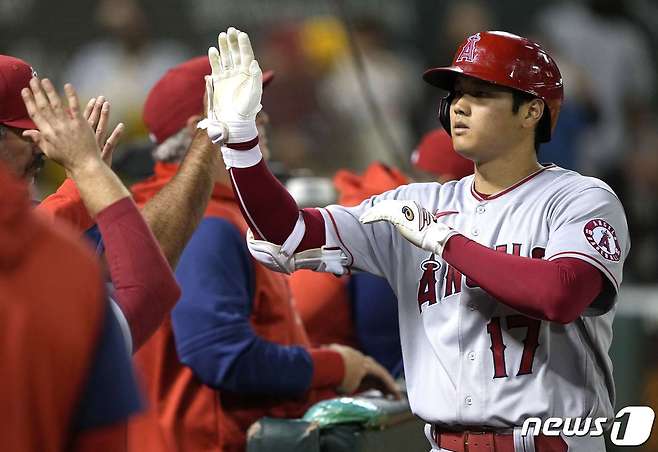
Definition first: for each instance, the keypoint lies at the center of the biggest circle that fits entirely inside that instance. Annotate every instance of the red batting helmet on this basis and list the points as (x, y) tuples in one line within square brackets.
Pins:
[(508, 60)]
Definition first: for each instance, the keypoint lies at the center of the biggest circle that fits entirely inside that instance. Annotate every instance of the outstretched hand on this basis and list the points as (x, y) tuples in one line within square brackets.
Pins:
[(97, 114), (64, 135), (234, 89)]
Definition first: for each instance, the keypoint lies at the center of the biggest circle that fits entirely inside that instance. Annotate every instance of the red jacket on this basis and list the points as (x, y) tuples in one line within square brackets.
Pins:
[(52, 312), (194, 417)]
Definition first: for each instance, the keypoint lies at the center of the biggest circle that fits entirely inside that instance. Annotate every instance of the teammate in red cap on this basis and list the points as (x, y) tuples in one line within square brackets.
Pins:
[(234, 349), (506, 280), (436, 156), (24, 158)]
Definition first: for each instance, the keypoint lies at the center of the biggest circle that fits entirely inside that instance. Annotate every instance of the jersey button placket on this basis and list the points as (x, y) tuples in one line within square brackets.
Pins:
[(480, 209)]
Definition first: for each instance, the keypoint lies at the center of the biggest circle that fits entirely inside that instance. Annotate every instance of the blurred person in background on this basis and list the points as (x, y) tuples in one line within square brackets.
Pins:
[(614, 56), (461, 18), (125, 62), (387, 75), (234, 349), (79, 393), (142, 283), (69, 386), (283, 53)]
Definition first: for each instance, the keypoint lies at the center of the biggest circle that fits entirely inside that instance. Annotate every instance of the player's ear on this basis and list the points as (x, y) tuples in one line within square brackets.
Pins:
[(532, 112)]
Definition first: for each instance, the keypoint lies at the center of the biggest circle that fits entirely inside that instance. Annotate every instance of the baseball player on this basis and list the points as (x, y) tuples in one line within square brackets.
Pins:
[(506, 279)]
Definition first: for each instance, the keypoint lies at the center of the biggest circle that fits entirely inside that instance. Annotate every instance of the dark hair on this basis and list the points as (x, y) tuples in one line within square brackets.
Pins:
[(543, 128)]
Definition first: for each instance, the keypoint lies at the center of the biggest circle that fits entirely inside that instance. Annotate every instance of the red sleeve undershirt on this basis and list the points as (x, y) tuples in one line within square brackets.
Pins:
[(145, 287), (557, 291), (269, 209)]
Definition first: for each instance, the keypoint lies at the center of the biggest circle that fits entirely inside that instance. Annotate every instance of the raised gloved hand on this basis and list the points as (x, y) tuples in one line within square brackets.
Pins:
[(415, 223), (234, 91)]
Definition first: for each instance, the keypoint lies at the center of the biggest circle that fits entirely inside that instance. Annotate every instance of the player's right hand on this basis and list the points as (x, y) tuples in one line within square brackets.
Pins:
[(359, 367), (234, 88), (97, 114), (413, 222)]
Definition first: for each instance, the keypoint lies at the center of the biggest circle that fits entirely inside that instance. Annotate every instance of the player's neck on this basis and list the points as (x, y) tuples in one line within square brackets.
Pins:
[(498, 174)]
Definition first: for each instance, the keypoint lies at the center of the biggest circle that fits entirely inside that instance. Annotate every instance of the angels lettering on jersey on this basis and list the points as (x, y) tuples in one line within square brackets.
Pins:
[(453, 279)]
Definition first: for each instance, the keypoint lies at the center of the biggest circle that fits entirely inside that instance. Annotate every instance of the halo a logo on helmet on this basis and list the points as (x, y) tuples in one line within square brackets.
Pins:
[(603, 239), (468, 51)]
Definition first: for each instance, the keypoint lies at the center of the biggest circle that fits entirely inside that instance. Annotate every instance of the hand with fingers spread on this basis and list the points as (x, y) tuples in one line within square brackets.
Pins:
[(234, 90), (97, 114), (359, 367), (66, 137)]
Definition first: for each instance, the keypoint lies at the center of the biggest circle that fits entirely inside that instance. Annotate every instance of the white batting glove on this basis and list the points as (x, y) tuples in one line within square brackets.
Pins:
[(414, 222), (235, 88)]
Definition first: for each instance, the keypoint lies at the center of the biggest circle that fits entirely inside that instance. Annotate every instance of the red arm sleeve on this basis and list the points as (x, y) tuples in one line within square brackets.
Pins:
[(269, 209), (145, 287), (66, 204), (557, 291)]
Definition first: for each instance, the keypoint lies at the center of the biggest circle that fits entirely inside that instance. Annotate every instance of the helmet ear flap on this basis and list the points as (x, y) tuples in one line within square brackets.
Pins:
[(444, 112)]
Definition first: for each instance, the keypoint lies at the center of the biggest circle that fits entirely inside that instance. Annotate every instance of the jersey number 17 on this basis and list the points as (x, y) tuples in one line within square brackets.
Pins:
[(530, 343)]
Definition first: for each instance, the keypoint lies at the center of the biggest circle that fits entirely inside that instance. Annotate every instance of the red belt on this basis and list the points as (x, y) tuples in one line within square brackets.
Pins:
[(492, 442)]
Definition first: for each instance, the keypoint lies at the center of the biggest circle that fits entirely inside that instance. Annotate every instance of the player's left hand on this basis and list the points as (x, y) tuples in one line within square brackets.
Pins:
[(234, 89), (64, 135), (414, 222)]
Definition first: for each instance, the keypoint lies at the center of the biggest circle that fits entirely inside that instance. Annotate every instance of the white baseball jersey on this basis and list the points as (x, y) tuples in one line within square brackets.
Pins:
[(470, 360)]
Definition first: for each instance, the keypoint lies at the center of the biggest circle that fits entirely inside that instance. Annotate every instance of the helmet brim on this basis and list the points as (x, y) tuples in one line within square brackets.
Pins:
[(442, 77)]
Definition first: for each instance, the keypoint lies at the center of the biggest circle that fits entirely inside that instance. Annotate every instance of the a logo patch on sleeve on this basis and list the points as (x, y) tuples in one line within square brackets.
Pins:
[(603, 238)]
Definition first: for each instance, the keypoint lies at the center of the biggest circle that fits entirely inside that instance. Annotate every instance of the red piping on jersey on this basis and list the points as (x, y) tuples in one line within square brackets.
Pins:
[(331, 217), (438, 215), (603, 267), (481, 197), (248, 217)]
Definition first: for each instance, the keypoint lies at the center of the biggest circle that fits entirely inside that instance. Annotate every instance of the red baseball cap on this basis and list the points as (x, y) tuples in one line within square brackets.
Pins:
[(177, 96), (15, 74), (436, 155)]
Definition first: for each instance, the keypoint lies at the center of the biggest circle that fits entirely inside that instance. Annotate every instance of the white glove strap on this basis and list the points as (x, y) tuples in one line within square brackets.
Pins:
[(436, 238), (241, 131), (294, 239), (241, 159), (217, 131)]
